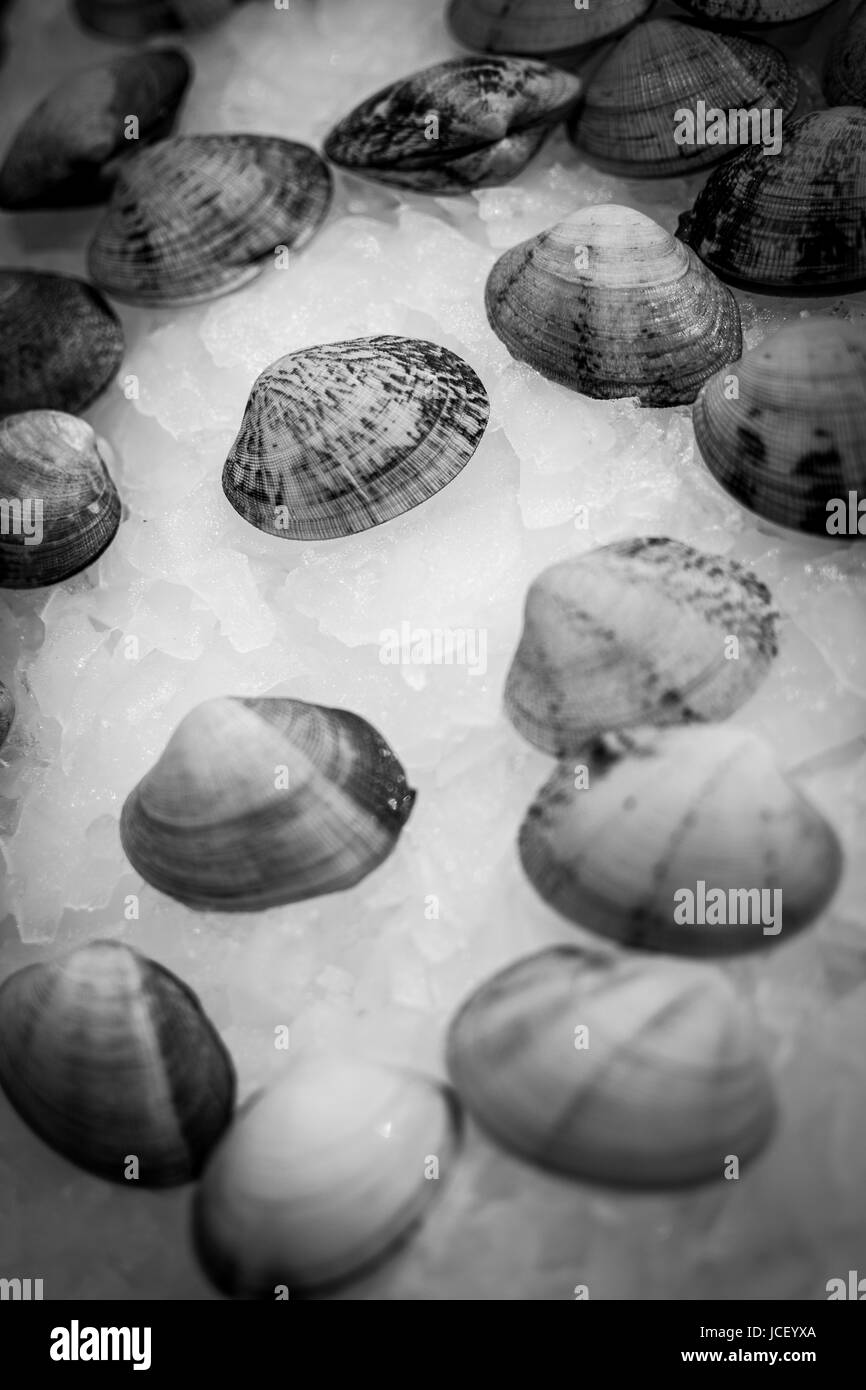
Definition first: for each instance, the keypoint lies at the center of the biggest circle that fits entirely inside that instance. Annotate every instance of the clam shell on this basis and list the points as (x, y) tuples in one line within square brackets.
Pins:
[(629, 115), (322, 1175), (302, 800), (753, 13), (136, 19), (636, 633), (197, 216), (107, 1055), (670, 1083), (491, 115), (344, 436), (542, 27), (794, 222), (665, 810), (60, 343), (7, 712), (792, 442), (845, 70), (53, 465), (610, 304), (63, 154)]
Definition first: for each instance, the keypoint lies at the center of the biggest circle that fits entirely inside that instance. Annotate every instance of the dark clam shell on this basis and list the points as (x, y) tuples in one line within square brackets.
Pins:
[(466, 123), (845, 72), (793, 222), (543, 28), (63, 154), (735, 14), (136, 19), (196, 216), (60, 343)]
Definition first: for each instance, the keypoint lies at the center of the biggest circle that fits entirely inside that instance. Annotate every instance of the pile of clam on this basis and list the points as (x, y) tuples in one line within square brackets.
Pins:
[(613, 1060)]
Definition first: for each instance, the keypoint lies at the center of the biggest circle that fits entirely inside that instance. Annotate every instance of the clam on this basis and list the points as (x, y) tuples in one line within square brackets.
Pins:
[(63, 506), (7, 712), (465, 123), (790, 444), (749, 13), (322, 1175), (196, 216), (794, 222), (629, 119), (845, 70), (136, 19), (635, 1072), (689, 840), (564, 32), (343, 436), (110, 1058), (638, 632), (65, 153), (256, 802), (609, 303), (60, 343)]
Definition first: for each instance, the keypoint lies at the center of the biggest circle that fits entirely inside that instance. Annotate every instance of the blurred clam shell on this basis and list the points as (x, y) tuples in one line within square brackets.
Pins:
[(793, 222), (727, 14), (631, 107), (136, 19), (344, 436), (635, 633), (53, 466), (610, 304), (108, 1057), (624, 1071), (60, 343), (64, 154), (792, 441), (563, 31), (658, 811), (7, 712), (322, 1176), (465, 123), (197, 216), (258, 802), (845, 70)]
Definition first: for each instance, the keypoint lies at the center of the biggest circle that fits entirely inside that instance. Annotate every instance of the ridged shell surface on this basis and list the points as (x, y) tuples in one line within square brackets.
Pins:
[(752, 13), (564, 31), (845, 69)]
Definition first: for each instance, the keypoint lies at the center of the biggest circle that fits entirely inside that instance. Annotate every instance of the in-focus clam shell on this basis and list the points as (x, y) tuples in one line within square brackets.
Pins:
[(633, 1071), (542, 27), (64, 154), (7, 712), (790, 223), (629, 116), (735, 14), (344, 436), (609, 303), (322, 1175), (60, 343), (659, 811), (256, 802), (136, 19), (52, 465), (791, 443), (636, 633), (109, 1056), (465, 123), (845, 70), (196, 216)]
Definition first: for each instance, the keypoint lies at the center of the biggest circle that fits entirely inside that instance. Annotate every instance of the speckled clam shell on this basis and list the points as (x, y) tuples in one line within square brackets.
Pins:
[(344, 436), (541, 27), (635, 633), (64, 154), (610, 304), (60, 343), (7, 712), (301, 800), (628, 118), (197, 216), (727, 14), (790, 223), (136, 19), (657, 811), (465, 123), (845, 69), (109, 1057), (323, 1175), (628, 1071), (793, 441), (53, 465)]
